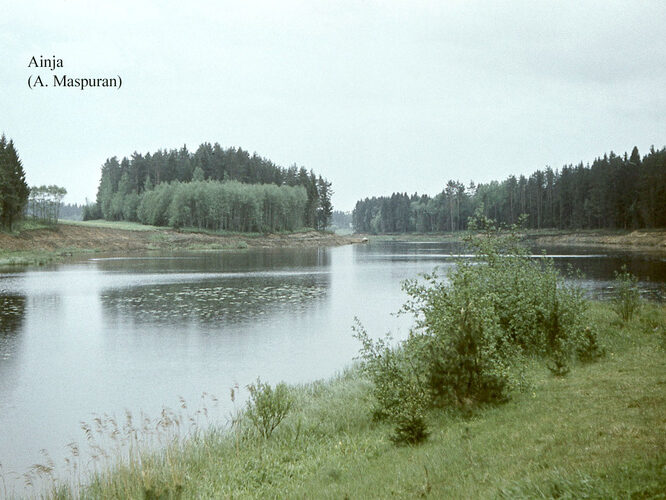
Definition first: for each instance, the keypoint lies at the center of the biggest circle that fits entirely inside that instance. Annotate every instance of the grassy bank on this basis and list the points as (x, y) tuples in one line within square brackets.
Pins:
[(598, 432), (38, 244)]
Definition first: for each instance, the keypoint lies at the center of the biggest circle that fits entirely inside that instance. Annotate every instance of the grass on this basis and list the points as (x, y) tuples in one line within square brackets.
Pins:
[(39, 257), (124, 225), (27, 258), (599, 432), (26, 225), (164, 241), (221, 232), (136, 226)]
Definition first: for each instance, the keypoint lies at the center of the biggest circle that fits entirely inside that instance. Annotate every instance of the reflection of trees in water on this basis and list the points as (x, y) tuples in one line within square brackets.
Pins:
[(246, 261), (12, 313), (12, 310), (230, 301)]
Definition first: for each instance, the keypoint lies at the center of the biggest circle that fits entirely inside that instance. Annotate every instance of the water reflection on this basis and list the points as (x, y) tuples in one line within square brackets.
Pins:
[(12, 319), (12, 312), (222, 262)]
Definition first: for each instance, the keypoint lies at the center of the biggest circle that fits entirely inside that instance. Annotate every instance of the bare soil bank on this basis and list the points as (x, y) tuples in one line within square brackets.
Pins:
[(81, 237)]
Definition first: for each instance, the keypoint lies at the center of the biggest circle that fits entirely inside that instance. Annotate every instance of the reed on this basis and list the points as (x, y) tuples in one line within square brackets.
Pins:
[(598, 432)]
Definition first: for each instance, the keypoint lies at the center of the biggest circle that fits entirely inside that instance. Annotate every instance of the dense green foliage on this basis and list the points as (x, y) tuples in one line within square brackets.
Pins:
[(621, 192), (473, 330), (13, 188), (229, 206), (45, 203), (127, 185)]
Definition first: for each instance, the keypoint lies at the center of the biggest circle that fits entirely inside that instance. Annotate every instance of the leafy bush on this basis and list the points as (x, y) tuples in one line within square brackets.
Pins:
[(471, 330), (493, 309), (627, 298), (268, 406), (397, 388), (461, 347)]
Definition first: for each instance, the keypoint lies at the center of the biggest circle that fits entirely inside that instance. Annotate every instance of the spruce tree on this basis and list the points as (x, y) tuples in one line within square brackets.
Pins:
[(14, 190), (325, 210), (4, 180)]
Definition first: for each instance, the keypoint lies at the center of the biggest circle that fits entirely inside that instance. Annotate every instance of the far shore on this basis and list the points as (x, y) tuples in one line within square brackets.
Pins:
[(642, 240), (38, 244)]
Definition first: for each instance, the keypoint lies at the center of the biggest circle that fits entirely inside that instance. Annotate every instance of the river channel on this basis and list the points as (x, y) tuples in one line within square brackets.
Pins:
[(113, 334)]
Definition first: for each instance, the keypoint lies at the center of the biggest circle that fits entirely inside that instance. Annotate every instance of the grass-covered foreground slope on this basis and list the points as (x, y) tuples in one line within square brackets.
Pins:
[(598, 432)]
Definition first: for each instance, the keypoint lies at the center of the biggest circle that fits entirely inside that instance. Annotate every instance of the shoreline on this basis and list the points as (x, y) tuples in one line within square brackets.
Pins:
[(330, 447), (652, 240), (42, 245)]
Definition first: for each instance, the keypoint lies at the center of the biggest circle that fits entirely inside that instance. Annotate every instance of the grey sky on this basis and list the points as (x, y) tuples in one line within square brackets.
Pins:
[(376, 96)]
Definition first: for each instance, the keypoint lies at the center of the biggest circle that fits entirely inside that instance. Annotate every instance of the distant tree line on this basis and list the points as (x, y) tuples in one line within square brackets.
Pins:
[(66, 211), (45, 203), (342, 220), (13, 188), (129, 189), (615, 192), (71, 211)]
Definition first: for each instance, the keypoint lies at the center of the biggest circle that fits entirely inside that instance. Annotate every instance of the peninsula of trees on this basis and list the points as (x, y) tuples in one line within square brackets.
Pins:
[(615, 192), (212, 188)]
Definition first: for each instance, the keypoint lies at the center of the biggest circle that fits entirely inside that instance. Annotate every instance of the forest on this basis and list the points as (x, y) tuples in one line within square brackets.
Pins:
[(226, 206), (614, 192), (212, 188)]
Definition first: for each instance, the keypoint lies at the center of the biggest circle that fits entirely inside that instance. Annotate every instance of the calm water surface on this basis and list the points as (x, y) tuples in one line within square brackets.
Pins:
[(112, 334)]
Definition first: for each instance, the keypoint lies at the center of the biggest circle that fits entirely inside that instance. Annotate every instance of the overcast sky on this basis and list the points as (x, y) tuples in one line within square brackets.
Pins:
[(376, 96)]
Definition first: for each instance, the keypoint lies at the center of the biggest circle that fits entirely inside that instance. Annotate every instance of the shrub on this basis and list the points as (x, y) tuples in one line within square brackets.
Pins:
[(589, 348), (268, 406), (471, 329), (627, 298), (462, 351), (409, 419), (493, 309), (397, 387)]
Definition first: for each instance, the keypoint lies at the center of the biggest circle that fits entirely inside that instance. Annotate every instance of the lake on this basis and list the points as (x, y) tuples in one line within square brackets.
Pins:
[(113, 334)]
